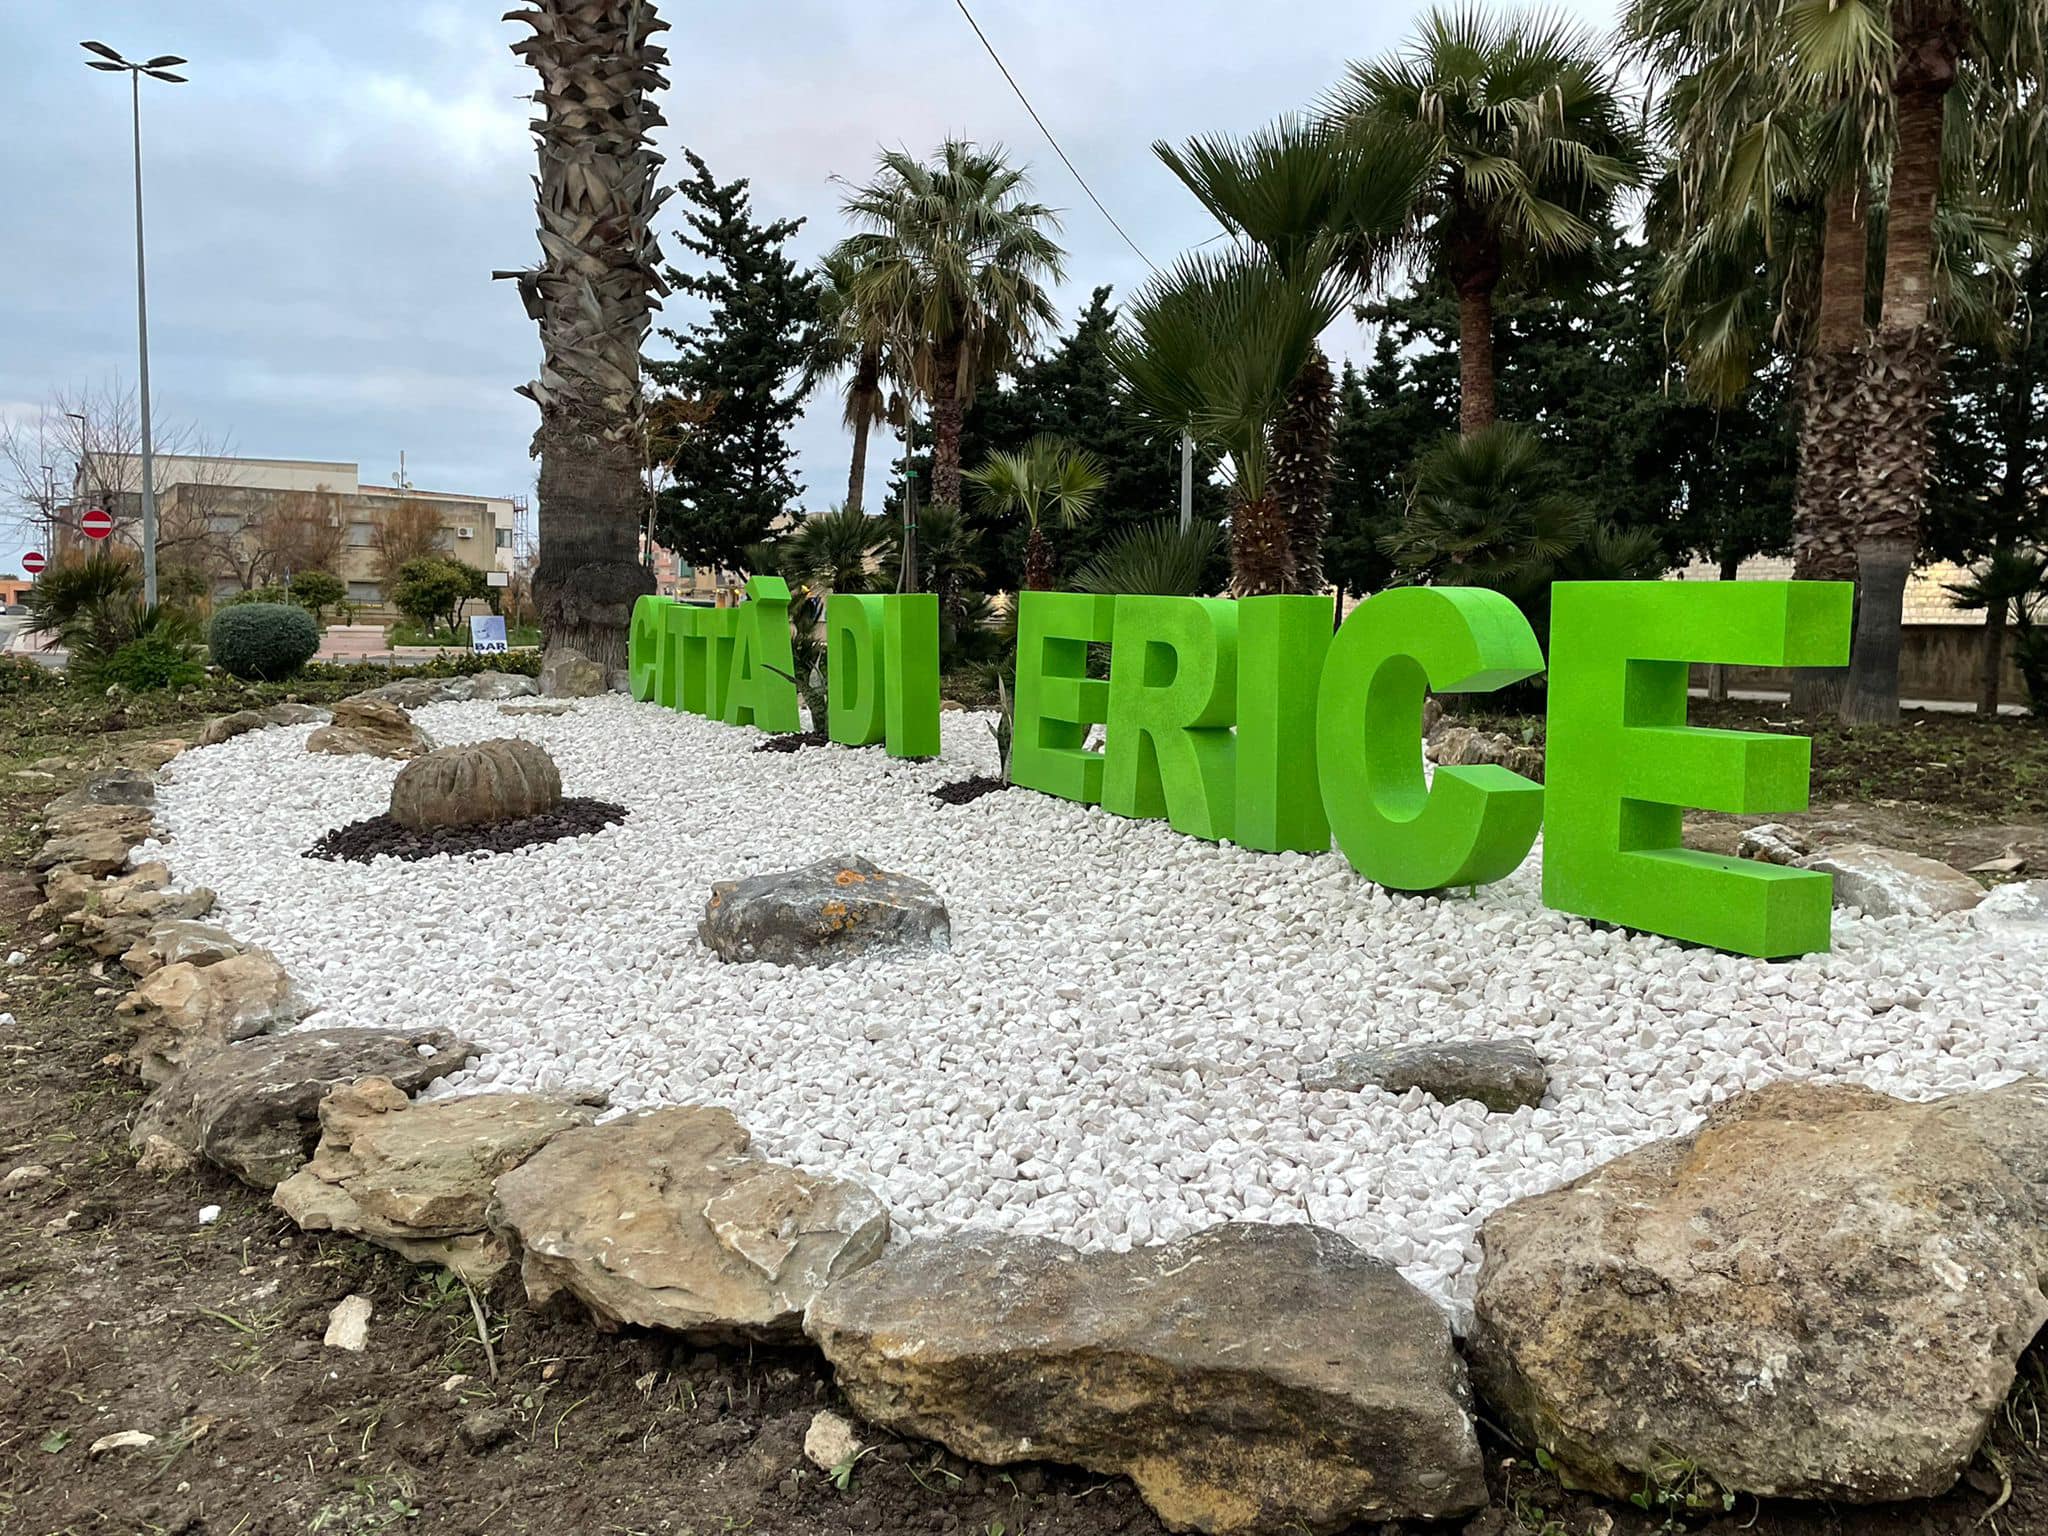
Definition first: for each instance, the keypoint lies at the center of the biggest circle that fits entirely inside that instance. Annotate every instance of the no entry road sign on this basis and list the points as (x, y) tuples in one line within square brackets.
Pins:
[(97, 523), (33, 563)]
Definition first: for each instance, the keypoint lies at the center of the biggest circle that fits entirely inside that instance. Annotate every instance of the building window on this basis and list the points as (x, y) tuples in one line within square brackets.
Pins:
[(361, 535), (504, 538), (365, 592)]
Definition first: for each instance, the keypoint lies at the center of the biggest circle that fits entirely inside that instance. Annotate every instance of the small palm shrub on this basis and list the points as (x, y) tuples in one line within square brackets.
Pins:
[(153, 648), (1159, 560), (263, 642)]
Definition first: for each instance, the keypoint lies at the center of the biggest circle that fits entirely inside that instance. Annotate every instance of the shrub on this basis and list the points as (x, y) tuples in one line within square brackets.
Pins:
[(264, 642), (19, 675), (151, 648)]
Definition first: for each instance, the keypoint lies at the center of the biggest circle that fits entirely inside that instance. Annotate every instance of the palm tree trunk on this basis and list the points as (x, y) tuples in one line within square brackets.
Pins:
[(857, 476), (947, 416), (1476, 408), (1261, 559), (592, 297), (1301, 466), (1994, 658), (1830, 437), (1041, 571), (1901, 384), (1717, 674)]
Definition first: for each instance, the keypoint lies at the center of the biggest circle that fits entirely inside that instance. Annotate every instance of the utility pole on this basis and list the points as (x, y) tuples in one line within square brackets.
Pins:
[(157, 69), (906, 579), (1187, 481)]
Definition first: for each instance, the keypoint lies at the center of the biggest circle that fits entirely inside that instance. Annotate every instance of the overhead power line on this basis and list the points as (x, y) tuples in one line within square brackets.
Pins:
[(1055, 143)]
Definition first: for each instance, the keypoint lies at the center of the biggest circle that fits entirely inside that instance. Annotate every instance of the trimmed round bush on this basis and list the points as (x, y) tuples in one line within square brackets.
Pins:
[(263, 642)]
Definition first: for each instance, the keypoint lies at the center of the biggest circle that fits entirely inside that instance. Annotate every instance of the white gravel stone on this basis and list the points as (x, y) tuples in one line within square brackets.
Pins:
[(1113, 1051)]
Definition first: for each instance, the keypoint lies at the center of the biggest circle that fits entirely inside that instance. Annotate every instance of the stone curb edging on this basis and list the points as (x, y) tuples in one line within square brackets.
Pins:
[(1007, 1349)]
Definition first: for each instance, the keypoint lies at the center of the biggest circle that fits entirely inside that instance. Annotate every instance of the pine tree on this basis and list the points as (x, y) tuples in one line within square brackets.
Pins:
[(733, 390)]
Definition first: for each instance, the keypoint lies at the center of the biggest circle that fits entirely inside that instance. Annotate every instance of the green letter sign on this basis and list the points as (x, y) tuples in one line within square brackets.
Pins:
[(1172, 696), (1056, 698), (1622, 764), (1281, 642), (1470, 826), (883, 671)]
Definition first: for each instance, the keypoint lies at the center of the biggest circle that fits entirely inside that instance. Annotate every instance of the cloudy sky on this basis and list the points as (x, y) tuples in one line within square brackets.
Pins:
[(328, 196)]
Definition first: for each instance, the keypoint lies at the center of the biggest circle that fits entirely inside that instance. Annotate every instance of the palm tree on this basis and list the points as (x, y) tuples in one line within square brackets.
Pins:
[(1296, 191), (1212, 347), (1159, 559), (593, 296), (1531, 144), (2009, 581), (949, 557), (1890, 92), (953, 261), (852, 341), (833, 552), (1049, 480)]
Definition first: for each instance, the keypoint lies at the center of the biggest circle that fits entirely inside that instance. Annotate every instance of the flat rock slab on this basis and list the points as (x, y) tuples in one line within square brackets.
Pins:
[(180, 941), (1249, 1378), (252, 1107), (2019, 910), (370, 727), (417, 1178), (243, 721), (1889, 882), (183, 1011), (830, 911), (99, 853), (1504, 1075), (663, 1219), (1822, 1294), (117, 786)]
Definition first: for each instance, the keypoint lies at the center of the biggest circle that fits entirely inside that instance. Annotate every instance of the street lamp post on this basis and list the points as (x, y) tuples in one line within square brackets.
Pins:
[(157, 69)]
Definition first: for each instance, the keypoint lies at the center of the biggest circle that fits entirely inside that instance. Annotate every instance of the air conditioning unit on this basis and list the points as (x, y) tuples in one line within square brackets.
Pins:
[(465, 533)]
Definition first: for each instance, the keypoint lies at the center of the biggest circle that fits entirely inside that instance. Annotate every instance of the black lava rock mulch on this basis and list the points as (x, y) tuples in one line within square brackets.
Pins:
[(795, 741), (361, 841), (962, 791)]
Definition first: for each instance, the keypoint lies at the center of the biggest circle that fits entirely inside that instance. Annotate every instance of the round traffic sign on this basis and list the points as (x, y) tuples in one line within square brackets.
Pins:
[(97, 523), (33, 563)]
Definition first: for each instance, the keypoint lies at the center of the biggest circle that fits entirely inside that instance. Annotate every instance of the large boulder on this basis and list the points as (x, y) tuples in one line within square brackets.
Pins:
[(243, 721), (417, 1179), (833, 910), (1822, 1293), (1249, 1378), (1504, 1075), (476, 784), (2016, 911), (569, 674), (663, 1219), (366, 726), (1888, 882), (417, 692), (252, 1107), (183, 1011)]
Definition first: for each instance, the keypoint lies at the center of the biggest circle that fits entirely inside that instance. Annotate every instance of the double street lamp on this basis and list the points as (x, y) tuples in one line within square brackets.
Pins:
[(158, 68)]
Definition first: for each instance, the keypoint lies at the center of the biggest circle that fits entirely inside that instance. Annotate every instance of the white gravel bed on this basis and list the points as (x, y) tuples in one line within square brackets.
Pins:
[(1112, 1052)]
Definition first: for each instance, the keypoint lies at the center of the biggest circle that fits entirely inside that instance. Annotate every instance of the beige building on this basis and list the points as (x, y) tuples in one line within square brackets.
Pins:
[(245, 523)]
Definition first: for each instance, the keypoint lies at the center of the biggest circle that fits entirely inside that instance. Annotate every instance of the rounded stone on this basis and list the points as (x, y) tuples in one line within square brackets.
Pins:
[(475, 784)]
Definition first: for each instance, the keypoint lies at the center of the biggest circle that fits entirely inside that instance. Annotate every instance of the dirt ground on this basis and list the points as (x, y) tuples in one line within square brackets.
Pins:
[(120, 1310)]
